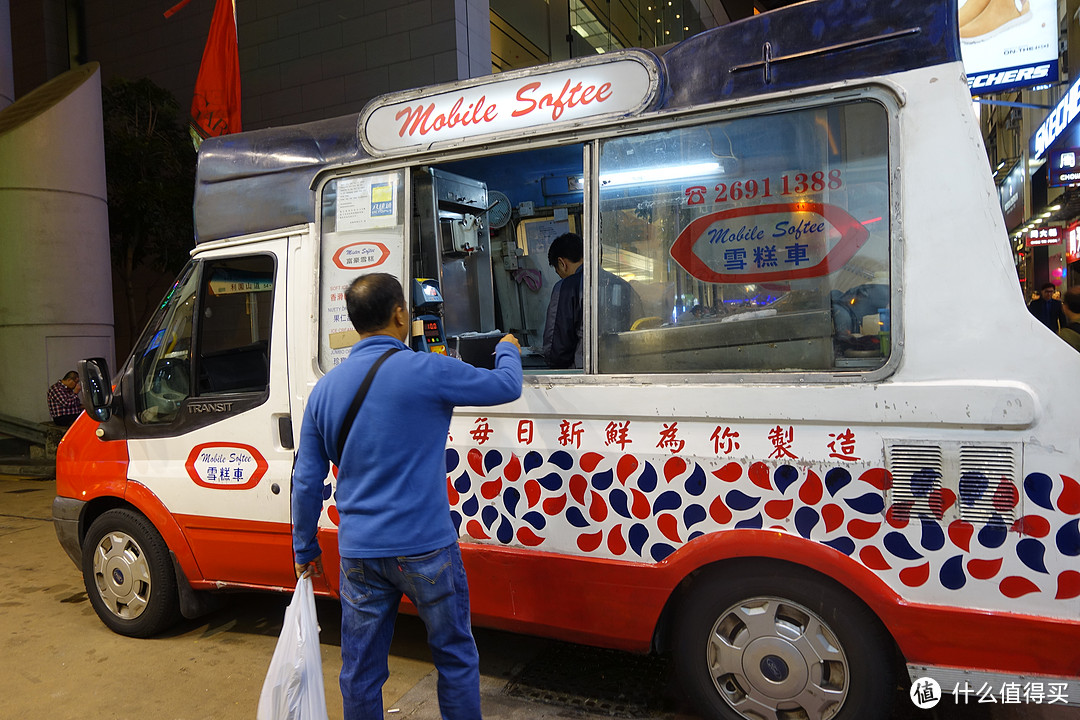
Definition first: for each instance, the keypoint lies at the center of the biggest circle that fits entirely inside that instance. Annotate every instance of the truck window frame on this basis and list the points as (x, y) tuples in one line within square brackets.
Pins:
[(238, 400), (803, 325)]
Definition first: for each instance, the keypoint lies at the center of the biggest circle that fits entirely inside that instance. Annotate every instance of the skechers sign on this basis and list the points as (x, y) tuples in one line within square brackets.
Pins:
[(512, 102), (1056, 122), (1007, 44), (998, 80)]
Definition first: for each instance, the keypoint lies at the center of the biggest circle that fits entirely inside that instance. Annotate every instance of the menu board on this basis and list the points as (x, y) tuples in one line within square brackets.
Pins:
[(366, 202), (369, 237)]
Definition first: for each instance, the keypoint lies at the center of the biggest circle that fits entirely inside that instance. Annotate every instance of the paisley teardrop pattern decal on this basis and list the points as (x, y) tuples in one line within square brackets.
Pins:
[(1033, 525), (476, 530), (836, 480), (729, 473), (492, 459), (590, 460), (738, 500), (1015, 587), (806, 519), (673, 468), (872, 558), (952, 573), (648, 508), (785, 476), (693, 514), (811, 490), (1069, 499), (1033, 554), (759, 475), (779, 509), (1037, 488), (476, 462), (1068, 585), (983, 569), (615, 542)]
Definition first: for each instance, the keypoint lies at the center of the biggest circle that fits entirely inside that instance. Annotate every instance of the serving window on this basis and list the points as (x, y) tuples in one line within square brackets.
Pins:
[(751, 244)]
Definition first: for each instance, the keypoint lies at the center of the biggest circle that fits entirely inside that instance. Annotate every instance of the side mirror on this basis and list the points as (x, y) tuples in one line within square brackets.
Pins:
[(96, 393)]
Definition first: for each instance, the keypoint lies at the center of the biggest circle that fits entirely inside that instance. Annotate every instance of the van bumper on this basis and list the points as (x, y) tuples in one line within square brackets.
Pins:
[(66, 513)]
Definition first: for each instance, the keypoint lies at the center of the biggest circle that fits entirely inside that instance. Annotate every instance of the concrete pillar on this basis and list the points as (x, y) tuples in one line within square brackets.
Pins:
[(7, 73), (55, 271), (477, 16)]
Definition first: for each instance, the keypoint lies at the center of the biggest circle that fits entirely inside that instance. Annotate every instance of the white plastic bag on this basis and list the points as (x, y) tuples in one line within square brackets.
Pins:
[(293, 689)]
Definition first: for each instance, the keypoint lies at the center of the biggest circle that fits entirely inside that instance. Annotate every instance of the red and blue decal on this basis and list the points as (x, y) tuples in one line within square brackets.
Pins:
[(634, 509)]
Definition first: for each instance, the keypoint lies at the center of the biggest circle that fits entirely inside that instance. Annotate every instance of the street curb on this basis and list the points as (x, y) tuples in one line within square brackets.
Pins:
[(29, 471)]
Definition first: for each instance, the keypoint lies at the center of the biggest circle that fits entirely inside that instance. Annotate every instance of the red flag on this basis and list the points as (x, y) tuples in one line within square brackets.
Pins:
[(215, 108)]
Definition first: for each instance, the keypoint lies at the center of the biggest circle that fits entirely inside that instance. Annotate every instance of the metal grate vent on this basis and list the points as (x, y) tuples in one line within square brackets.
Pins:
[(917, 472), (974, 482), (988, 484)]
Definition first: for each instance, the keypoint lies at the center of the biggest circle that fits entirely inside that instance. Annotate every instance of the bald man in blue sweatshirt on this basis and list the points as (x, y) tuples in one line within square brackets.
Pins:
[(395, 533)]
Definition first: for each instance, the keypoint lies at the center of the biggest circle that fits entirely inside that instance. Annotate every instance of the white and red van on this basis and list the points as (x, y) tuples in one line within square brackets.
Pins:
[(829, 446)]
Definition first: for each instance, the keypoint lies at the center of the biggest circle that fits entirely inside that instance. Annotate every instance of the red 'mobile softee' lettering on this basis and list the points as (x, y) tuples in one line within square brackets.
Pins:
[(568, 97), (420, 118)]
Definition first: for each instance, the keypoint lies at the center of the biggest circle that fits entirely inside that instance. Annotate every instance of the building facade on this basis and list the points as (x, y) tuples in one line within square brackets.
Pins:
[(303, 60)]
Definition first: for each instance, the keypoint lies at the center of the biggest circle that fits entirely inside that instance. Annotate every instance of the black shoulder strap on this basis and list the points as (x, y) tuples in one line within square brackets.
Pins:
[(358, 401)]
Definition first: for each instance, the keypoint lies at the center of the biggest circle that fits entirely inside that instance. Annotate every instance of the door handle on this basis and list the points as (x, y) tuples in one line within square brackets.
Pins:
[(285, 436)]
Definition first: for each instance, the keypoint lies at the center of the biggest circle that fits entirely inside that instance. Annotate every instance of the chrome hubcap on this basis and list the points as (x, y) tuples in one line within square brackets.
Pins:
[(773, 659), (122, 575)]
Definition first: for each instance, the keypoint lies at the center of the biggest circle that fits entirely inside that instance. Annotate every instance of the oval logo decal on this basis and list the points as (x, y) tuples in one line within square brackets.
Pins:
[(780, 241), (361, 255), (226, 466)]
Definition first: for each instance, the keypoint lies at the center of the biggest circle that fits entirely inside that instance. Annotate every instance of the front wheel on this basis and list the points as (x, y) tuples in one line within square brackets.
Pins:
[(782, 646), (129, 575)]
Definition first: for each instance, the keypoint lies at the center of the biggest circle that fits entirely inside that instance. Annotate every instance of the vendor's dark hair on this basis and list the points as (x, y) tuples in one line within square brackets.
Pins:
[(1048, 286), (567, 245), (371, 300)]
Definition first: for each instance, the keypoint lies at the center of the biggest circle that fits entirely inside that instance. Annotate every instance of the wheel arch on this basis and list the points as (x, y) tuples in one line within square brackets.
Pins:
[(784, 555), (138, 498)]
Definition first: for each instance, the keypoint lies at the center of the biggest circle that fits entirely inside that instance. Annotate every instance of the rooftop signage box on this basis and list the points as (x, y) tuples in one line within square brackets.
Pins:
[(1038, 237), (1005, 46), (520, 101), (1064, 167)]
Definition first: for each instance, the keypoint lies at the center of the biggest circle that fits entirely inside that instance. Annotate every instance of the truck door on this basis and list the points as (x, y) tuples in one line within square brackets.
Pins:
[(208, 421)]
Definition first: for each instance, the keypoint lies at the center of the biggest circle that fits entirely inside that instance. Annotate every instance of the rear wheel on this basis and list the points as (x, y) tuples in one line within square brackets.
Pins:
[(129, 575), (772, 646)]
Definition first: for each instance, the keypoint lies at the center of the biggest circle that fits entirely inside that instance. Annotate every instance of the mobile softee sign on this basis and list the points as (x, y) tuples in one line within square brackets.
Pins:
[(524, 101), (1008, 43)]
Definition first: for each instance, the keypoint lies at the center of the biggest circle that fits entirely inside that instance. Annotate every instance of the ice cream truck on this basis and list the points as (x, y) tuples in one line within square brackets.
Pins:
[(795, 455)]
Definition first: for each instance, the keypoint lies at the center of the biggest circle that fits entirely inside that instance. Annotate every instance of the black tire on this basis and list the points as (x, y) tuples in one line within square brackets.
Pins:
[(129, 575), (787, 644)]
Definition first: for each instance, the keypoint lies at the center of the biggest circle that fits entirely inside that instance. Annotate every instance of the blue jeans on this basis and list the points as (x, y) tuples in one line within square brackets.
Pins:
[(371, 590)]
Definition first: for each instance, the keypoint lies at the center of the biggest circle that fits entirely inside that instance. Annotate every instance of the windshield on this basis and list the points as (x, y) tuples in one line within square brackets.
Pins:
[(163, 355)]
